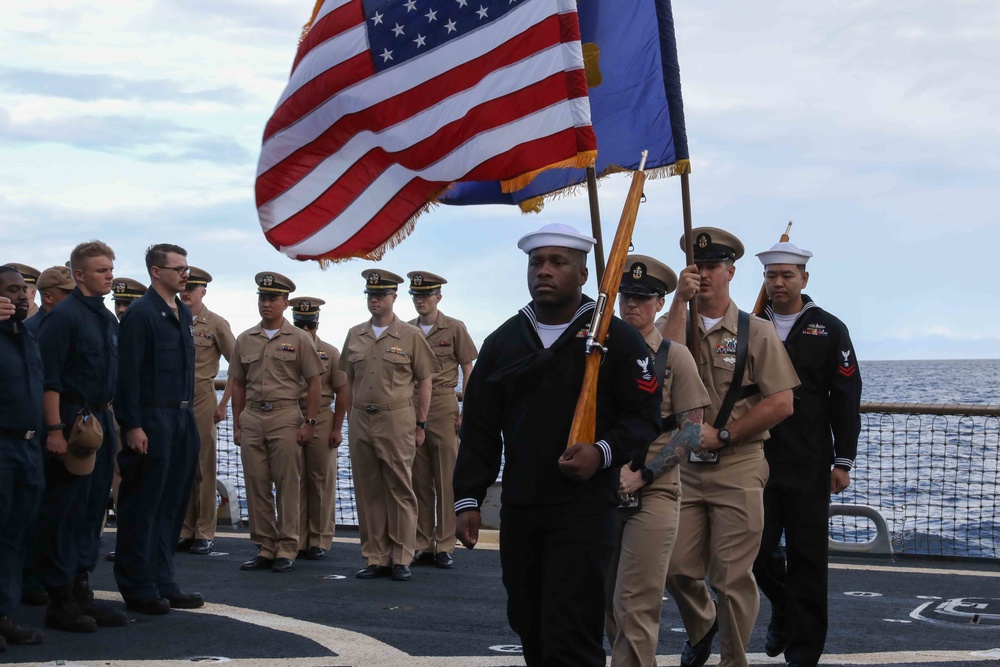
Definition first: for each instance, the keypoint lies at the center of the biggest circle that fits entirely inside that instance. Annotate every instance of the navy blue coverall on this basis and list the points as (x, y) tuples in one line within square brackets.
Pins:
[(156, 393), (79, 345), (21, 476)]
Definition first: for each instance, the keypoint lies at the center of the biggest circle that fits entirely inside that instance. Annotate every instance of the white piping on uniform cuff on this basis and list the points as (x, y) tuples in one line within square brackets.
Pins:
[(466, 504), (844, 463), (605, 453)]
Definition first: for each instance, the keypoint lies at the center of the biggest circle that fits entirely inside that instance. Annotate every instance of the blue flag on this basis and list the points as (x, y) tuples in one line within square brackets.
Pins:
[(635, 101)]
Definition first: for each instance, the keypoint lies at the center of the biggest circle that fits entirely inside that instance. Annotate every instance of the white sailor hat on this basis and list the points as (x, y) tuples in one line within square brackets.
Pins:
[(556, 234), (784, 253)]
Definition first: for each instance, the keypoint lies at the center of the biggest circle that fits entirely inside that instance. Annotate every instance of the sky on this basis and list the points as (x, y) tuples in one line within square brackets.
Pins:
[(873, 125)]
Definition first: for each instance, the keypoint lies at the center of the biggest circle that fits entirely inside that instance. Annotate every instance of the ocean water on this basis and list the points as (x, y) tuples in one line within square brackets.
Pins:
[(934, 479), (963, 381)]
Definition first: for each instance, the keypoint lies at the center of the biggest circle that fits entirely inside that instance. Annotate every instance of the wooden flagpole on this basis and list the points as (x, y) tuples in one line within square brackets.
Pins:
[(595, 222), (693, 345)]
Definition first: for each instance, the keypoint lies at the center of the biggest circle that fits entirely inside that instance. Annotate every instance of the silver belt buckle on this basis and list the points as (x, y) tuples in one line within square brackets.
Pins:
[(266, 407), (371, 409), (184, 404), (28, 435)]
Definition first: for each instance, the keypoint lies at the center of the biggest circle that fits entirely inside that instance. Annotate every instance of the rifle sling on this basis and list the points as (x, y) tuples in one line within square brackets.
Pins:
[(736, 389), (660, 364)]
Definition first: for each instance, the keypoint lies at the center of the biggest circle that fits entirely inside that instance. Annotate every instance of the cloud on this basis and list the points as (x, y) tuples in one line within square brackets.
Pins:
[(132, 135), (84, 87)]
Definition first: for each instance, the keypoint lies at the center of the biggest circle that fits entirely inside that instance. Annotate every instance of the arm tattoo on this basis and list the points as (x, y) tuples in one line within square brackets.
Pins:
[(687, 437)]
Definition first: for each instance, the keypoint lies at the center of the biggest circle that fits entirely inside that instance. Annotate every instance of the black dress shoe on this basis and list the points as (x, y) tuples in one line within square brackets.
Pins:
[(185, 600), (151, 606), (315, 553), (201, 547), (401, 573), (281, 565), (110, 556), (258, 563), (422, 558), (185, 544), (776, 640), (697, 655), (374, 572), (444, 561)]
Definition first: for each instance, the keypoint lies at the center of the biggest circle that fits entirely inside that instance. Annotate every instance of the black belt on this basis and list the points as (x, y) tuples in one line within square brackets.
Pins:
[(19, 435), (172, 405), (78, 400)]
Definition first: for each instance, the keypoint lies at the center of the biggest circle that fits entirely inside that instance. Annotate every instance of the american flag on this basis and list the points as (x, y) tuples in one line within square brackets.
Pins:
[(390, 101)]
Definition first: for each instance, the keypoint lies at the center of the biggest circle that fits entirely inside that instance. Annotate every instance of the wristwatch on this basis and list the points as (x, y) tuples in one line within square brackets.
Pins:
[(422, 425), (311, 422), (724, 437), (647, 475), (52, 428)]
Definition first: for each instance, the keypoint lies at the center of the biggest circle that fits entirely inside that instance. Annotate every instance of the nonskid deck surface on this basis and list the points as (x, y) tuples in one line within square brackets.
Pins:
[(318, 615)]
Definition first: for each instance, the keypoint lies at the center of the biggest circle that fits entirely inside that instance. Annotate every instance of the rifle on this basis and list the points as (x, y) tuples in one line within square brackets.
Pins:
[(585, 418), (758, 308)]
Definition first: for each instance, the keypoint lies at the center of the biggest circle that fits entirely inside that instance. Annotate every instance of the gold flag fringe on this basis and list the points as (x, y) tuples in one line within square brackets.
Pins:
[(580, 161), (536, 204), (398, 237), (312, 19)]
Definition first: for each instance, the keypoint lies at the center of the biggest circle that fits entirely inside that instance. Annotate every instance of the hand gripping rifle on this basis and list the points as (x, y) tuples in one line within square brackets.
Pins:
[(758, 308), (585, 417)]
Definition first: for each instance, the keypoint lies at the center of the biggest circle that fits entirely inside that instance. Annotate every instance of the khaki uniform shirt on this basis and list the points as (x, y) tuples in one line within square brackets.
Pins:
[(333, 378), (682, 386), (213, 338), (386, 370), (273, 370), (768, 365), (452, 346)]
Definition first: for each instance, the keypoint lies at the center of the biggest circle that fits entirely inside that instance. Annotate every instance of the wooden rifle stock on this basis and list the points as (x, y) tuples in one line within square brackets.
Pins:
[(758, 308), (585, 418)]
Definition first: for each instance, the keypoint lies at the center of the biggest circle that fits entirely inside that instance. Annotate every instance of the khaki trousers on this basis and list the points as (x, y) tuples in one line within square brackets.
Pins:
[(382, 449), (319, 484), (722, 517), (202, 509), (433, 468), (271, 456), (638, 572)]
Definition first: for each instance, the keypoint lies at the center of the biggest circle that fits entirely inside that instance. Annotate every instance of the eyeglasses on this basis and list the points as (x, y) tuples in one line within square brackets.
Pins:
[(306, 325), (181, 270)]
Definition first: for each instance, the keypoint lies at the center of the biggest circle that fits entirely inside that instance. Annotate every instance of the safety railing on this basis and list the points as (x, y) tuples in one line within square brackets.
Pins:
[(929, 470)]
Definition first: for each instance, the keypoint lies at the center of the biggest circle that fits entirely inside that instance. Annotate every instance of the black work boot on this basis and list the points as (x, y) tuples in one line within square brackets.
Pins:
[(64, 613), (12, 633), (105, 616)]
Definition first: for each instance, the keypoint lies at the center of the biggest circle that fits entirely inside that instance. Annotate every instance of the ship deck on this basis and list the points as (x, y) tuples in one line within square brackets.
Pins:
[(883, 612)]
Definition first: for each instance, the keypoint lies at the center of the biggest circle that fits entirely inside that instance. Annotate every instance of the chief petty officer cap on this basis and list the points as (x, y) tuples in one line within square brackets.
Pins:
[(126, 289), (29, 273), (712, 244), (645, 276), (269, 283), (379, 281), (556, 234), (784, 253), (306, 308), (85, 438), (424, 282), (56, 276), (198, 276)]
